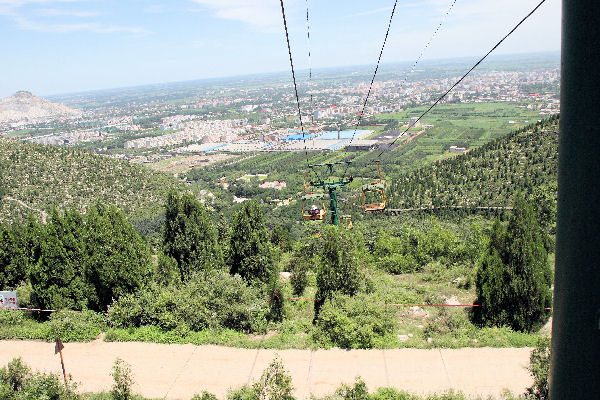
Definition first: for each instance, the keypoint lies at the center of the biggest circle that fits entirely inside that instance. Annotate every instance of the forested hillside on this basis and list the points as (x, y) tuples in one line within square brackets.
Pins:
[(36, 178), (526, 160)]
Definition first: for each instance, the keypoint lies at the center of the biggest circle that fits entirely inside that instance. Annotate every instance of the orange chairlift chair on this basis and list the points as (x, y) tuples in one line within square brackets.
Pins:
[(311, 209), (377, 188)]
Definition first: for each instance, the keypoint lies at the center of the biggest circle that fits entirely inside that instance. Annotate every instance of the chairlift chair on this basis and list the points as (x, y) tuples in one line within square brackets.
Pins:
[(378, 189), (310, 207)]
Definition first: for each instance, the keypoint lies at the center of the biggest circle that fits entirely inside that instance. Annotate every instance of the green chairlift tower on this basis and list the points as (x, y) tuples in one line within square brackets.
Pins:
[(327, 180)]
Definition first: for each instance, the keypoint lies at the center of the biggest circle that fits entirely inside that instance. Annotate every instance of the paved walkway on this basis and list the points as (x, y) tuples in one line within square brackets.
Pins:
[(180, 371)]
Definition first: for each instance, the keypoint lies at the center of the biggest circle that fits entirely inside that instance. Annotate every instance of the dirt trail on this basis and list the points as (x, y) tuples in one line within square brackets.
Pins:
[(180, 371)]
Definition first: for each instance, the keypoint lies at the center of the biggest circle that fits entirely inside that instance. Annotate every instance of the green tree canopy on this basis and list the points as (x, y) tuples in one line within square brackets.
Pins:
[(57, 278), (190, 237), (514, 279), (250, 253), (18, 251), (340, 266), (117, 260)]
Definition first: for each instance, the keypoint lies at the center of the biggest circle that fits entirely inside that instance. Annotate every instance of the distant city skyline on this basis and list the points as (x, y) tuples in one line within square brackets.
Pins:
[(64, 46)]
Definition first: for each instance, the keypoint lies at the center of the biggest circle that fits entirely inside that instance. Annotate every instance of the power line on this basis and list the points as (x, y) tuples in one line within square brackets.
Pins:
[(375, 72), (467, 73)]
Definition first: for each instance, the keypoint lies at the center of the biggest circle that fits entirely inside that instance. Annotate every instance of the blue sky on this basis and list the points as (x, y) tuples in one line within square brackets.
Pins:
[(62, 46)]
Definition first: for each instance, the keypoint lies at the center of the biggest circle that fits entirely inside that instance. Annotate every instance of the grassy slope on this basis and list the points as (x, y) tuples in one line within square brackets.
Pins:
[(43, 177)]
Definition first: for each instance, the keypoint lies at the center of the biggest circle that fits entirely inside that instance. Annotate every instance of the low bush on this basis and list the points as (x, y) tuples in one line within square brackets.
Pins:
[(539, 368), (18, 382), (397, 263), (359, 391), (448, 322), (122, 380), (204, 396), (274, 384), (299, 277), (209, 300), (11, 317), (76, 326), (360, 322)]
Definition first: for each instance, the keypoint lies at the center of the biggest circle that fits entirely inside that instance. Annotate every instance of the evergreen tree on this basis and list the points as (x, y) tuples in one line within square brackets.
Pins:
[(19, 249), (339, 269), (57, 277), (514, 279), (190, 237), (117, 260), (250, 253), (281, 237)]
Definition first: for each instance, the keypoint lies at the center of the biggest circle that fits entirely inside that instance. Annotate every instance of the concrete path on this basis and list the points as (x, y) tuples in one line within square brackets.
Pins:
[(180, 371)]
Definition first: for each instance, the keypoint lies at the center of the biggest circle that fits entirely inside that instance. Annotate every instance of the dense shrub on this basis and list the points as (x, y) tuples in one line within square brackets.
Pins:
[(213, 299), (411, 249), (514, 279), (360, 322), (359, 391), (11, 317), (76, 326)]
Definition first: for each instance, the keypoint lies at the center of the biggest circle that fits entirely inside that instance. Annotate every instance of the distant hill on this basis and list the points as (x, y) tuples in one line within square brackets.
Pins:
[(35, 178), (25, 105), (488, 176)]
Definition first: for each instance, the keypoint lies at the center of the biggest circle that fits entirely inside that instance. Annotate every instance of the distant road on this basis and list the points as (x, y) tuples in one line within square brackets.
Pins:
[(179, 371)]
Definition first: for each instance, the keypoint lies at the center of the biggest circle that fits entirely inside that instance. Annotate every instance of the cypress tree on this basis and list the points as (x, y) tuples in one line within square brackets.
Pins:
[(57, 278), (340, 265), (117, 259), (250, 253), (189, 236), (514, 279)]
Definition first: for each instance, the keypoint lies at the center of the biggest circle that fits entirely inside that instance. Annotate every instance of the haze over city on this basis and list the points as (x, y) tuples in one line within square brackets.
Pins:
[(65, 46)]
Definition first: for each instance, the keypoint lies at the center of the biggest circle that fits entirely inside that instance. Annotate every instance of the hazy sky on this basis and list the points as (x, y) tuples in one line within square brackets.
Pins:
[(61, 46)]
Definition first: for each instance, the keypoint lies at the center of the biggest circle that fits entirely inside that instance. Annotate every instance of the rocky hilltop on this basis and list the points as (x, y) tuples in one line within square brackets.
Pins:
[(25, 105)]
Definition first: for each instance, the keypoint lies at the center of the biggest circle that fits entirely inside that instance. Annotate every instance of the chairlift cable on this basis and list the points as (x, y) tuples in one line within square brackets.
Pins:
[(360, 115), (433, 36), (287, 38), (466, 74), (312, 107)]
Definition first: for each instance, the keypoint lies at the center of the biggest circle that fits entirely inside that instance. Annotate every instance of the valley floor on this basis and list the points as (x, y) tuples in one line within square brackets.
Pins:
[(179, 371)]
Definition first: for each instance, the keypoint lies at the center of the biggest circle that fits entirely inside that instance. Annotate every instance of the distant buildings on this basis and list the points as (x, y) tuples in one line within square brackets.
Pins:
[(456, 149)]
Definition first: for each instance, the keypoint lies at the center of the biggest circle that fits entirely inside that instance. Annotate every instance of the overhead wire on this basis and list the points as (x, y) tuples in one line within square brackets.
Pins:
[(422, 53), (287, 38), (466, 74), (361, 113), (312, 107)]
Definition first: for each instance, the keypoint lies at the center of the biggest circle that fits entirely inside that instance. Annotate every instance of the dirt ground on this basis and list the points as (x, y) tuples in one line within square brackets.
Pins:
[(180, 371)]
